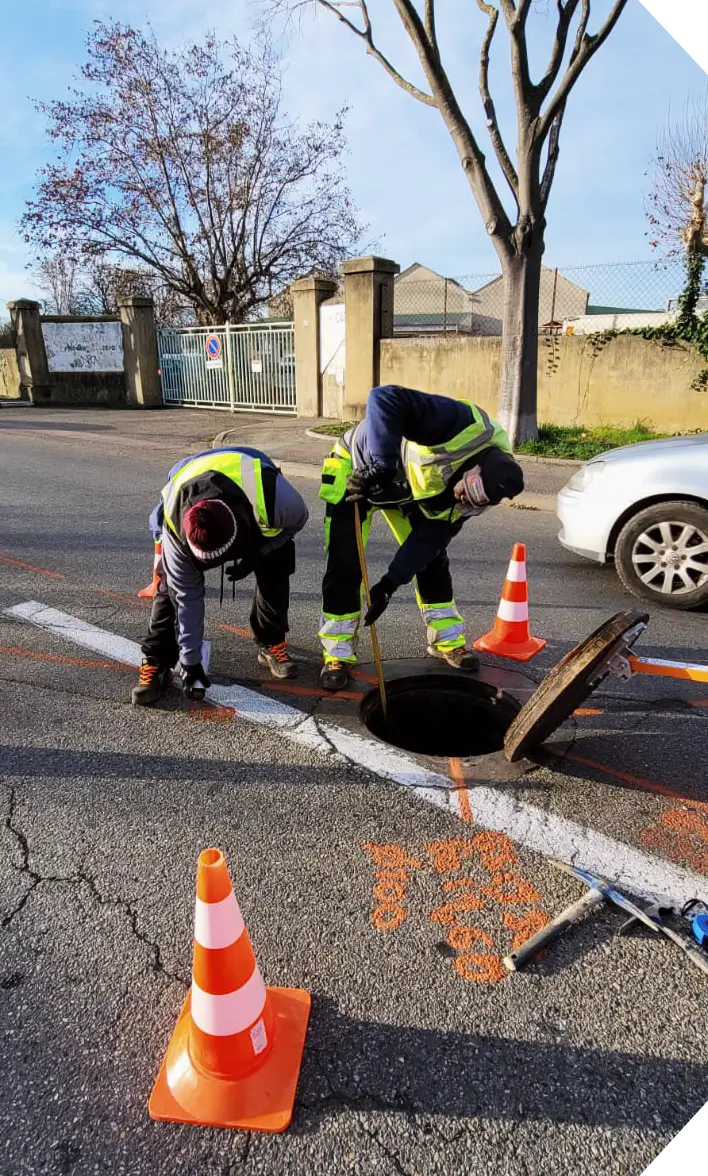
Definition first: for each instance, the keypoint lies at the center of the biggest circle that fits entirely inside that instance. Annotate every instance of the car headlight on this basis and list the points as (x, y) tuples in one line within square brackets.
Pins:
[(583, 478)]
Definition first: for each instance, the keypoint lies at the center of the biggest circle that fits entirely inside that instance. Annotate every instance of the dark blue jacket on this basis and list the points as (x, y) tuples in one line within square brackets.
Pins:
[(392, 414)]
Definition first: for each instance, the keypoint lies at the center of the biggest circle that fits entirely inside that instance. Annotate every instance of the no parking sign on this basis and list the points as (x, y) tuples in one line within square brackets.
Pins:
[(214, 353)]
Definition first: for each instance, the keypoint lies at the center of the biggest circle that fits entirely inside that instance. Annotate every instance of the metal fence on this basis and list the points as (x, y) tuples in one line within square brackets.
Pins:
[(577, 299), (240, 368)]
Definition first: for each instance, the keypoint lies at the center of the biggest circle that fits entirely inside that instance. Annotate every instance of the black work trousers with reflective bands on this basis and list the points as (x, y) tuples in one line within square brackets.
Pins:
[(269, 612)]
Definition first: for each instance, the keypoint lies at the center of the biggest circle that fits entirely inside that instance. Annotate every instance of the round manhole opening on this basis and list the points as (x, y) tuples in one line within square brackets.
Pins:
[(437, 715)]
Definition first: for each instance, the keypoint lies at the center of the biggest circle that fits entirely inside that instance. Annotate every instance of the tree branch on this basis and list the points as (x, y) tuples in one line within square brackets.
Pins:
[(366, 36), (553, 149), (566, 12), (492, 123), (430, 25), (585, 48)]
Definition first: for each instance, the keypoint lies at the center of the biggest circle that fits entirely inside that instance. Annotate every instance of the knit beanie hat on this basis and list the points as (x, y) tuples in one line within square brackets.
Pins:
[(501, 475), (210, 529)]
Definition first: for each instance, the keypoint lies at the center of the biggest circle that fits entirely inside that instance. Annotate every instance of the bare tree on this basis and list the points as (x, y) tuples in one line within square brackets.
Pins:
[(181, 163), (678, 205), (518, 235), (57, 277)]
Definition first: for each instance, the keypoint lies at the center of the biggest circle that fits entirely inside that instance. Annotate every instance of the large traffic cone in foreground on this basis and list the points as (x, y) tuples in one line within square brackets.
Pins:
[(150, 591), (234, 1057), (510, 635)]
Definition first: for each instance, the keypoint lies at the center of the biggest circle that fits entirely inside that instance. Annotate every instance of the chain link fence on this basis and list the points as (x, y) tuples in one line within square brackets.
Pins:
[(573, 299)]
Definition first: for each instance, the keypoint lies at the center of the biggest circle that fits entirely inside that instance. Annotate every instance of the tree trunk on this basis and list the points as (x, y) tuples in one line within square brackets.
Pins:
[(519, 375)]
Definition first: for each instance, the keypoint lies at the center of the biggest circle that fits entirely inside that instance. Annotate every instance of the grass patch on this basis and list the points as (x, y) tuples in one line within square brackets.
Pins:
[(579, 444), (334, 430), (572, 442)]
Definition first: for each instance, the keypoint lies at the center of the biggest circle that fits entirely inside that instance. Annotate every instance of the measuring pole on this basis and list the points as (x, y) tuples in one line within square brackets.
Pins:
[(367, 596)]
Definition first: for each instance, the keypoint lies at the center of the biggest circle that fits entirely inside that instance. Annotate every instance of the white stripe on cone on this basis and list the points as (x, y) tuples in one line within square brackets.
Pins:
[(517, 571), (232, 1012), (513, 610), (218, 924)]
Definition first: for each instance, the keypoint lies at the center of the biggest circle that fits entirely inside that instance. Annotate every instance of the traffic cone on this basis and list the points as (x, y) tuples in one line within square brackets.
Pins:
[(149, 592), (234, 1057), (510, 635)]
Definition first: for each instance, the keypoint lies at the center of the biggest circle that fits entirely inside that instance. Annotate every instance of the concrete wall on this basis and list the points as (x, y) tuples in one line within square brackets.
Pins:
[(9, 374), (582, 380), (78, 359)]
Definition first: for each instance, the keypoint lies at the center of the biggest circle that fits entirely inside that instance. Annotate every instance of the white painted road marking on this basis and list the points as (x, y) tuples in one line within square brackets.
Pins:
[(544, 832)]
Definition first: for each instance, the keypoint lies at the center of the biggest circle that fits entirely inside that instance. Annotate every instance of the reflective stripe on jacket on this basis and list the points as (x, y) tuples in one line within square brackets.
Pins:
[(244, 471)]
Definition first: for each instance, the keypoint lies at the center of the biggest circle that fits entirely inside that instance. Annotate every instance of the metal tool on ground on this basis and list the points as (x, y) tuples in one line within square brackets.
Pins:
[(376, 648), (649, 916)]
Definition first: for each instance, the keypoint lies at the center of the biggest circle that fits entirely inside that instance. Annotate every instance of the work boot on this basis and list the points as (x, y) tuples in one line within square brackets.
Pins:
[(459, 659), (334, 675), (278, 660), (152, 683)]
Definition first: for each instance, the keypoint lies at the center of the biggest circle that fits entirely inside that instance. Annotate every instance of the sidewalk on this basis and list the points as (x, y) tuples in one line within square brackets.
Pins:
[(284, 438)]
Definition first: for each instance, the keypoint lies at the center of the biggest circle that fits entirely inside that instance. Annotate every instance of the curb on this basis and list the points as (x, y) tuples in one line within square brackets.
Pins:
[(529, 457), (298, 469)]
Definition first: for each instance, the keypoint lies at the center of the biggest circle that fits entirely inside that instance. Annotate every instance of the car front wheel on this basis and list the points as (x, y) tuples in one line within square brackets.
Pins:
[(662, 554)]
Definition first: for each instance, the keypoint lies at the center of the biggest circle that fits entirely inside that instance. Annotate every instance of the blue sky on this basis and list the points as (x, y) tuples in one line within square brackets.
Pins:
[(403, 170)]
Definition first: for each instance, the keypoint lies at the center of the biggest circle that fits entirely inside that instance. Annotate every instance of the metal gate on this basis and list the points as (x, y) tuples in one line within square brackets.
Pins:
[(244, 369)]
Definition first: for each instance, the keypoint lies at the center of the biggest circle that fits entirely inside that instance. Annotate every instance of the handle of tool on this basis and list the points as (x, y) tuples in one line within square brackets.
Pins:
[(376, 648), (695, 955), (572, 914)]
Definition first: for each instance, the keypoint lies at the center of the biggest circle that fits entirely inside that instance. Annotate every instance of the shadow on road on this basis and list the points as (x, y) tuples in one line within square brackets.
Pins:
[(352, 1064)]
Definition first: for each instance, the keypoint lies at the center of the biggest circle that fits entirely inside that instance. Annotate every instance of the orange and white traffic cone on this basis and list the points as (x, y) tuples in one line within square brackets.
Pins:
[(234, 1057), (150, 591), (510, 635)]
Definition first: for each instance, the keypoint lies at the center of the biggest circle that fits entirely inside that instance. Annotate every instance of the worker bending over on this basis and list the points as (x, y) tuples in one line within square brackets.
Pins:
[(227, 506), (429, 463)]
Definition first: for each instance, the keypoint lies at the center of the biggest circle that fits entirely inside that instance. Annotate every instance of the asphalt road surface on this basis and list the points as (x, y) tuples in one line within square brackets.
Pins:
[(423, 1056)]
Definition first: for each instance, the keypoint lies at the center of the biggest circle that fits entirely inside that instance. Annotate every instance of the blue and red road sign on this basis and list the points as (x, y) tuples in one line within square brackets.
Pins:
[(213, 347)]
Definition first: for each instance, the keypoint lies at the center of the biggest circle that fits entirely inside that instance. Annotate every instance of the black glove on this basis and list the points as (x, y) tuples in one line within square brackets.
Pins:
[(361, 483), (194, 679), (238, 570), (381, 594)]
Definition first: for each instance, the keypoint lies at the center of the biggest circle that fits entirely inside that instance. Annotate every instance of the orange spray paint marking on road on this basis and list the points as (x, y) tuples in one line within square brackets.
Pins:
[(119, 596), (682, 835), (625, 777), (495, 849), (510, 890), (18, 563), (66, 661), (211, 714), (237, 630), (458, 778), (524, 925), (393, 875), (588, 710)]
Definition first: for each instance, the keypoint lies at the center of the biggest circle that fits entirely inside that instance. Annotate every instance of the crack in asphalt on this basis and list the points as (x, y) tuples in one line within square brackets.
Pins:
[(81, 878), (398, 1166)]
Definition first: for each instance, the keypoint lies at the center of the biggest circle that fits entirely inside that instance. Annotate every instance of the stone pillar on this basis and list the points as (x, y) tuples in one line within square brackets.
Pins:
[(368, 301), (308, 294), (142, 383), (35, 381)]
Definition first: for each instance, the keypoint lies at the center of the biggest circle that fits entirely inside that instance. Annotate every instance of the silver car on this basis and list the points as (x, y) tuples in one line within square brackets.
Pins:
[(645, 507)]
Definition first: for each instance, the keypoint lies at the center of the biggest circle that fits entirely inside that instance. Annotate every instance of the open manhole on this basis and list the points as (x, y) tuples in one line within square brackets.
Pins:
[(436, 715)]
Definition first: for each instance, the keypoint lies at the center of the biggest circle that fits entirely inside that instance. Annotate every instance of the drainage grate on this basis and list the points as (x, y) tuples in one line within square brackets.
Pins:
[(437, 715)]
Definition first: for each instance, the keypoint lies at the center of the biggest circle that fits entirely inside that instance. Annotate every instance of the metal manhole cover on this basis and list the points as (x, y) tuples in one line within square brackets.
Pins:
[(569, 683)]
